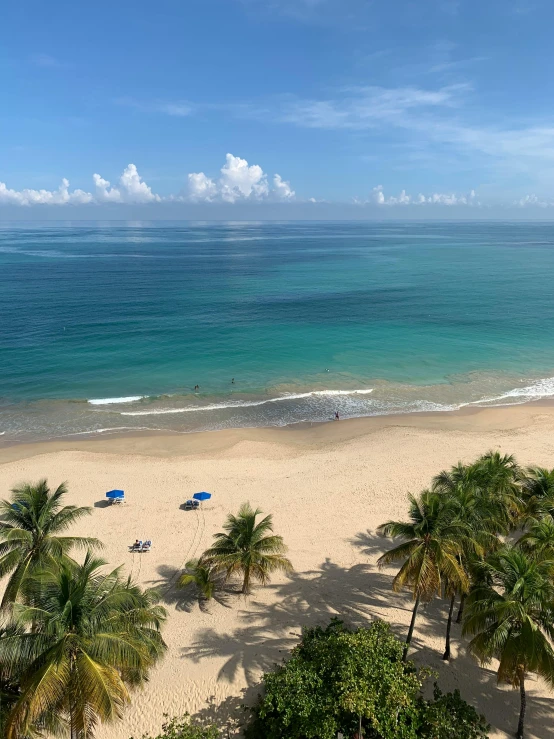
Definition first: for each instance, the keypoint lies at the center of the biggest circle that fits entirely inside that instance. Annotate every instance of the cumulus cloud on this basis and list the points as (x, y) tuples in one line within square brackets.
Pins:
[(61, 196), (201, 187), (135, 190), (377, 197), (238, 181), (131, 189), (282, 188)]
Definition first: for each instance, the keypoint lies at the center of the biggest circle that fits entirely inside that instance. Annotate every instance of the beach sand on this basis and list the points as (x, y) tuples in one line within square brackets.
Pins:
[(328, 487)]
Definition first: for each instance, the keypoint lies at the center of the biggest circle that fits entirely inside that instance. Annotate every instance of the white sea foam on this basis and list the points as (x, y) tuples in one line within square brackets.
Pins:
[(113, 401), (540, 389), (245, 403)]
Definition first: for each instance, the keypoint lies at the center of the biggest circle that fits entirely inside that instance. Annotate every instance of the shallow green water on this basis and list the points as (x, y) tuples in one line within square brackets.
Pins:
[(424, 315)]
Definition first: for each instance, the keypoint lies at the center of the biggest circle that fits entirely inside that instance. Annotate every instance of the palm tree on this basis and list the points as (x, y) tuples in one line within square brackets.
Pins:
[(248, 549), (538, 541), (31, 524), (431, 551), (510, 613), (485, 517), (501, 478), (93, 638), (200, 574), (488, 495), (538, 489)]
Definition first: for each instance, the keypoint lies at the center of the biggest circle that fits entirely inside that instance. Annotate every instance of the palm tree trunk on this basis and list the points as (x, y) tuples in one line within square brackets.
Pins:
[(410, 630), (519, 734), (73, 731), (446, 655), (246, 582), (461, 609)]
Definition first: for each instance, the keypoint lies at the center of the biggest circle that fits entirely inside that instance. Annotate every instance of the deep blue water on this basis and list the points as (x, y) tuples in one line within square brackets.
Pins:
[(425, 316)]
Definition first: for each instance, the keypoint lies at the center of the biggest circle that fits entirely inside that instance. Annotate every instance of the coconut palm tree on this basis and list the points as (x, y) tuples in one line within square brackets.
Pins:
[(500, 478), (202, 575), (485, 517), (538, 541), (538, 490), (248, 548), (93, 638), (32, 524), (431, 552), (510, 614), (489, 499)]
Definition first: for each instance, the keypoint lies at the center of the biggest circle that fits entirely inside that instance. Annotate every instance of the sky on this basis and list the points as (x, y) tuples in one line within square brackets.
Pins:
[(277, 109)]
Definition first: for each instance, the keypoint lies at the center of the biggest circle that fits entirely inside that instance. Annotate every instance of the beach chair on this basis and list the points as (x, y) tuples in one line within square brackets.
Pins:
[(146, 546), (136, 547), (189, 505), (195, 504)]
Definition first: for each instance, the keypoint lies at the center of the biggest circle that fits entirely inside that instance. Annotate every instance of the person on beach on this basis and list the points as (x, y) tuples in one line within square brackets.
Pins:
[(337, 417)]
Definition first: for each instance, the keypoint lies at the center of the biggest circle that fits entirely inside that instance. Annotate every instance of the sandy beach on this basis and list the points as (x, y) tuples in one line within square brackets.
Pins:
[(328, 487)]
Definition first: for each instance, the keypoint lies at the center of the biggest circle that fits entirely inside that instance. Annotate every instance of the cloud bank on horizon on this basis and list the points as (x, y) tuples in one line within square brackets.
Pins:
[(364, 107), (238, 181)]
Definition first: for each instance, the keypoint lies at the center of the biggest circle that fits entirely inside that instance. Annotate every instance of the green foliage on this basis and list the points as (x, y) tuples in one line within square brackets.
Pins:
[(202, 576), (433, 544), (510, 614), (80, 640), (448, 716), (247, 549), (335, 675), (183, 727), (31, 526)]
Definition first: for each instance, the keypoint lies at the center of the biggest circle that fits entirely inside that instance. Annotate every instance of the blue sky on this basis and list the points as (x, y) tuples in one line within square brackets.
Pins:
[(215, 107)]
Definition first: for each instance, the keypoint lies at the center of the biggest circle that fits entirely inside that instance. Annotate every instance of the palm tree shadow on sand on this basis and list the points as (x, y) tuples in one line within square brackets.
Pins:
[(187, 598), (358, 595)]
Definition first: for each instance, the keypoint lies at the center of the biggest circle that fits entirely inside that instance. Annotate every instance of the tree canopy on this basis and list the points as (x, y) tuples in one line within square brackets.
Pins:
[(337, 675)]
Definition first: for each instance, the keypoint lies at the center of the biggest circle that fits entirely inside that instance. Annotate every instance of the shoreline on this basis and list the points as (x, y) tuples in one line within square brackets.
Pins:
[(328, 487), (305, 434)]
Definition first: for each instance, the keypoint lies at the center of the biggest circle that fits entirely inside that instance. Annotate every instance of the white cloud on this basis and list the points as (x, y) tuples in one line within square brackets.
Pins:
[(377, 197), (238, 181), (282, 189), (61, 196), (104, 192), (132, 189), (371, 106), (533, 201), (201, 187)]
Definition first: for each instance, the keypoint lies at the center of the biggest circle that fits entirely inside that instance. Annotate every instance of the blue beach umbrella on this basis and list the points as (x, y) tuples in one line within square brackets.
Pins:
[(114, 494), (202, 496)]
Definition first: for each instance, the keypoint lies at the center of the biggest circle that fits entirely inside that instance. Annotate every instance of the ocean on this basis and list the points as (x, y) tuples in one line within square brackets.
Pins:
[(110, 327)]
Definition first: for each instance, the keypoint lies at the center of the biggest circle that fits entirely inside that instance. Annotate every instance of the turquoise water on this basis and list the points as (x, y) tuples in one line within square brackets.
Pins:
[(308, 318)]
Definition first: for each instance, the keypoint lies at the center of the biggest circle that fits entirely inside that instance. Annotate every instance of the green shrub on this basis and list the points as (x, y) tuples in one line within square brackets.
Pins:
[(183, 727), (337, 675), (449, 716)]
